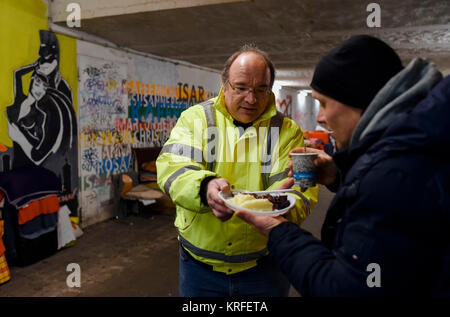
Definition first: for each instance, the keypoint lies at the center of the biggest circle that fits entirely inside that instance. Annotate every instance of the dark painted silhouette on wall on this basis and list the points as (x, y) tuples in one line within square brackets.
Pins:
[(42, 123)]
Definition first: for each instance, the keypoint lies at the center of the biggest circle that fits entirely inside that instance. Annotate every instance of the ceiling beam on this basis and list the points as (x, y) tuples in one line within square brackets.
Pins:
[(102, 8)]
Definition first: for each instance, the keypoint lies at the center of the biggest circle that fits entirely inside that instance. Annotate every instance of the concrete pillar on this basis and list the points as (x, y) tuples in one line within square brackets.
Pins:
[(311, 112), (305, 111)]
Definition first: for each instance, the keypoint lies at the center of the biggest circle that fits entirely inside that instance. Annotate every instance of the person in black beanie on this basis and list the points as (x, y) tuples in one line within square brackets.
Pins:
[(352, 74), (386, 230), (355, 71)]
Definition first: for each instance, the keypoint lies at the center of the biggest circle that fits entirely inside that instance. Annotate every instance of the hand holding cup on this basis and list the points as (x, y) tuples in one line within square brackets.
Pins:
[(325, 169)]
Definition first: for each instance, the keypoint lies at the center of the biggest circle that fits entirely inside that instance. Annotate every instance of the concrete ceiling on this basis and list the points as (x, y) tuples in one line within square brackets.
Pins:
[(295, 33)]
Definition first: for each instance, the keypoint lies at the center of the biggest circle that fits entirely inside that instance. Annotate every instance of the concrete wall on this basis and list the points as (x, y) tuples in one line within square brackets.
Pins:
[(127, 100), (297, 105)]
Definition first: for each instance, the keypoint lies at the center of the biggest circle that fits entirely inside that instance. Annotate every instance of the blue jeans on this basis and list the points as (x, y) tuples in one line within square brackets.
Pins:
[(264, 280)]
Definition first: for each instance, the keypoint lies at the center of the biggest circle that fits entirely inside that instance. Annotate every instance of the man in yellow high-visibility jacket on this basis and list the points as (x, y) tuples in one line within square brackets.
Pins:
[(237, 140)]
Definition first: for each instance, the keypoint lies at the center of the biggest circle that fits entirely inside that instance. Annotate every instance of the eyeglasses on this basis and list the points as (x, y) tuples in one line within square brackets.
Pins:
[(244, 91)]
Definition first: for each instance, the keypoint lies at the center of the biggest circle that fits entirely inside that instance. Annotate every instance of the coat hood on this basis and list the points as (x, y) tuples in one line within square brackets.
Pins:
[(426, 128), (412, 111)]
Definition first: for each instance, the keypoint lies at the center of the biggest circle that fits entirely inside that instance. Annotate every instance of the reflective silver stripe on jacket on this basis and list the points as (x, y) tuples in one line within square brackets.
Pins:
[(177, 173), (305, 200), (213, 139), (272, 138), (278, 177), (184, 150), (240, 258)]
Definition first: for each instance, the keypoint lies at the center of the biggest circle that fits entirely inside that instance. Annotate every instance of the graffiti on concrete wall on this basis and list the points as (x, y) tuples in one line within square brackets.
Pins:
[(153, 110), (103, 151), (114, 118), (102, 96), (119, 113)]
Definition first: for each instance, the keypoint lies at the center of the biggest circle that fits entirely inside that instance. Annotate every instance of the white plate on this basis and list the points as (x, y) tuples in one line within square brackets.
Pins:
[(274, 213)]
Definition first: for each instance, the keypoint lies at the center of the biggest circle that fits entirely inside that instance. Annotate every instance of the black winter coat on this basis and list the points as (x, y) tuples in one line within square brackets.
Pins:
[(387, 231)]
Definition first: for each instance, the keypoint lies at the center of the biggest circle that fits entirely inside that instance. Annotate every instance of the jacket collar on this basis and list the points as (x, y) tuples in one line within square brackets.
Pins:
[(346, 158), (400, 94)]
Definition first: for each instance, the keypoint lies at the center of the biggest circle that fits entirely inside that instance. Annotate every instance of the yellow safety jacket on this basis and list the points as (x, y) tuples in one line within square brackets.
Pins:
[(205, 142)]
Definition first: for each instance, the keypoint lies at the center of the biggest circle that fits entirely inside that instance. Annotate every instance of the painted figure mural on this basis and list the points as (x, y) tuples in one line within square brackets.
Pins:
[(42, 123)]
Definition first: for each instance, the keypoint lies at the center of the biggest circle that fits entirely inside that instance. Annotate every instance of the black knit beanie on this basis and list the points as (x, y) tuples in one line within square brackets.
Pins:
[(356, 70)]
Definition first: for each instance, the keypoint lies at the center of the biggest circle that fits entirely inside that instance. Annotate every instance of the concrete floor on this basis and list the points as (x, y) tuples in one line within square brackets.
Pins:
[(136, 256)]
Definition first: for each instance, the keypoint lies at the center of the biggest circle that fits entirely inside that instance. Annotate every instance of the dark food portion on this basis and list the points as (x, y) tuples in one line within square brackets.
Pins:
[(279, 201)]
